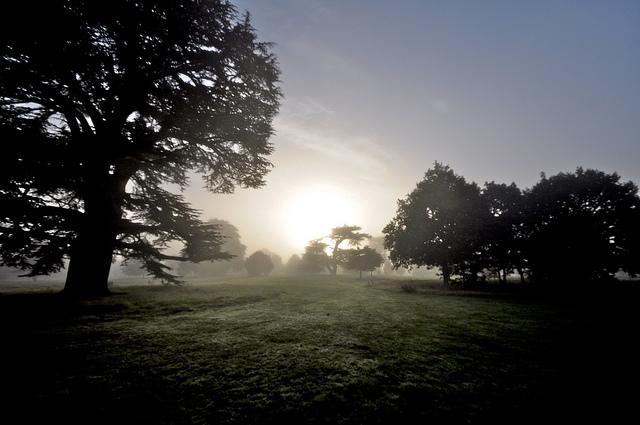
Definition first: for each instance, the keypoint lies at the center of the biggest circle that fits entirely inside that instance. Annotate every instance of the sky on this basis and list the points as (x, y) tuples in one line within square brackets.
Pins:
[(376, 91)]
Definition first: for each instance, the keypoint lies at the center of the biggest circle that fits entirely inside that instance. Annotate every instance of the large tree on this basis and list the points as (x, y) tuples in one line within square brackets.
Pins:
[(102, 104), (582, 226), (439, 224)]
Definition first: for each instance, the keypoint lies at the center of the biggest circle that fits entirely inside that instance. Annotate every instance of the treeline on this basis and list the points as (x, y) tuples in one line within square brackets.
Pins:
[(261, 263), (571, 227)]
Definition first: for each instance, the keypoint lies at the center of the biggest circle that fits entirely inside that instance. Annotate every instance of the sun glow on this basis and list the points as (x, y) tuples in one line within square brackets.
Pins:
[(312, 212)]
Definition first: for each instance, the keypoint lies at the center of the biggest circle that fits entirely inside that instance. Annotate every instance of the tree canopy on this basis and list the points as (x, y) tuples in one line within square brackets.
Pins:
[(259, 264), (102, 104), (349, 234), (504, 237), (315, 258), (231, 244), (293, 265), (363, 259), (439, 224), (571, 227), (582, 226)]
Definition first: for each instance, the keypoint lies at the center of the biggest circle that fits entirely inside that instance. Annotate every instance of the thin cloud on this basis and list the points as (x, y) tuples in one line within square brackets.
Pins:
[(357, 153)]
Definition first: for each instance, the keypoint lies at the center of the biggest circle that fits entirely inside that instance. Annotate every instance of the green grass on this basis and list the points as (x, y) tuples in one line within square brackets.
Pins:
[(304, 350)]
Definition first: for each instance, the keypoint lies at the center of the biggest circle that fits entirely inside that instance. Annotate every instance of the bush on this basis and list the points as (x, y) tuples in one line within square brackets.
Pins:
[(259, 264)]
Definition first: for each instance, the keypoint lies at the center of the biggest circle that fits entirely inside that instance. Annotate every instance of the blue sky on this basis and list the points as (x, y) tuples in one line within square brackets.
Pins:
[(375, 91)]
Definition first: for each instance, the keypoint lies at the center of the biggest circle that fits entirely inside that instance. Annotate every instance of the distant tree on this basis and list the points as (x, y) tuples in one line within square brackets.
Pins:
[(582, 226), (132, 268), (231, 244), (103, 104), (349, 234), (439, 224), (275, 259), (315, 258), (363, 259), (503, 238), (293, 265), (377, 243), (259, 264)]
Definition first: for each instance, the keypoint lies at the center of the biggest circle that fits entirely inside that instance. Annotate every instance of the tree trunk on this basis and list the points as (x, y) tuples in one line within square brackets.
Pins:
[(92, 249), (91, 256), (334, 258), (446, 274), (521, 273), (360, 275)]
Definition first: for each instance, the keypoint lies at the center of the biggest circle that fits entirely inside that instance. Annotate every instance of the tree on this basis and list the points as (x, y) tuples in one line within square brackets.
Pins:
[(363, 259), (581, 227), (349, 234), (102, 104), (231, 244), (439, 224), (132, 268), (293, 265), (315, 258), (275, 259), (377, 243), (259, 264), (503, 252)]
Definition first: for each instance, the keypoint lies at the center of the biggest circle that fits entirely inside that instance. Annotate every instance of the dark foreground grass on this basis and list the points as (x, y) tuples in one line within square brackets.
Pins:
[(314, 350)]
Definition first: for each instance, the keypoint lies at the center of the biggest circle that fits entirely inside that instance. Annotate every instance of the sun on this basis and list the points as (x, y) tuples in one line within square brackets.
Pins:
[(313, 211)]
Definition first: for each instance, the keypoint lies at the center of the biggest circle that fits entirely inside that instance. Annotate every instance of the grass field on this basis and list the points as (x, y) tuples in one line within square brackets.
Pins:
[(314, 350)]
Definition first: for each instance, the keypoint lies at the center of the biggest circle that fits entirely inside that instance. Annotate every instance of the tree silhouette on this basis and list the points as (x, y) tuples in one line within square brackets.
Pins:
[(293, 265), (315, 258), (102, 104), (275, 259), (342, 234), (504, 240), (231, 245), (439, 224), (259, 264), (582, 226), (363, 259)]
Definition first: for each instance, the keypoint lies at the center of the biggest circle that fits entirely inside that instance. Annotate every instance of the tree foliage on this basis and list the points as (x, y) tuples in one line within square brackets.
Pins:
[(231, 245), (363, 259), (132, 268), (349, 234), (259, 264), (315, 258), (504, 238), (275, 259), (104, 103), (439, 224), (293, 265), (582, 226), (571, 227)]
